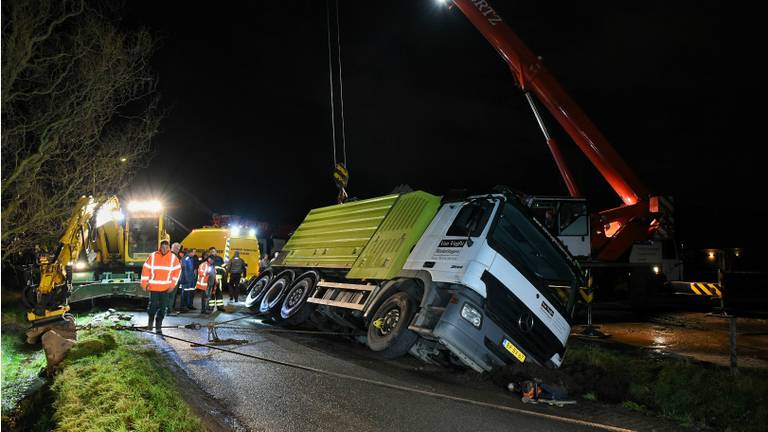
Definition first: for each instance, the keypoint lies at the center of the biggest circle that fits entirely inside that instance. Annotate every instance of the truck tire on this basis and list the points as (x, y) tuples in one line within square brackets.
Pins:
[(256, 290), (388, 332), (247, 284), (273, 295), (294, 309)]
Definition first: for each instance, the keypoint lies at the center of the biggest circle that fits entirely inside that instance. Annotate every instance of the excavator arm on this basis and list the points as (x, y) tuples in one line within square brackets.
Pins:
[(48, 299), (614, 230)]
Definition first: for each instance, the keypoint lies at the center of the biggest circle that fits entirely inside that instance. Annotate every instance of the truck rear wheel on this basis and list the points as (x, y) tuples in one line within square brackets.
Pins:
[(388, 332), (294, 308), (256, 290), (274, 294)]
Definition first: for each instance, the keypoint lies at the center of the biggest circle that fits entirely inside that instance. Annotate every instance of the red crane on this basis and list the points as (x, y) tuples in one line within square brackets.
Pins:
[(615, 230)]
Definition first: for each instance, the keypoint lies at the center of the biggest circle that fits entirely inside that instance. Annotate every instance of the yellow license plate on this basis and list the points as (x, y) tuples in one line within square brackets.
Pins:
[(513, 350)]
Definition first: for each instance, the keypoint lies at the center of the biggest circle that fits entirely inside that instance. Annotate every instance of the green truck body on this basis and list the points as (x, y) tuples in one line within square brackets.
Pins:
[(367, 239)]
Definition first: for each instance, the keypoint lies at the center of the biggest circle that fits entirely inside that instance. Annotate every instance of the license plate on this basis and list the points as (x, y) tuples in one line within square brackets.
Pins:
[(513, 350)]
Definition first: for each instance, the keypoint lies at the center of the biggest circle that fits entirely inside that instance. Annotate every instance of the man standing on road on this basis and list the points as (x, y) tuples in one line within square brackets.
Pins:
[(206, 282), (236, 268), (159, 276), (188, 276), (180, 254)]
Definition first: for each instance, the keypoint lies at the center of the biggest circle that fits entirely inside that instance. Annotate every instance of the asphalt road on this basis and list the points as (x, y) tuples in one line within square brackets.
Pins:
[(353, 390)]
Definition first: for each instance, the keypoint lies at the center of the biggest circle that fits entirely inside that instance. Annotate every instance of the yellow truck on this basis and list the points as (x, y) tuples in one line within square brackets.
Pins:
[(226, 241)]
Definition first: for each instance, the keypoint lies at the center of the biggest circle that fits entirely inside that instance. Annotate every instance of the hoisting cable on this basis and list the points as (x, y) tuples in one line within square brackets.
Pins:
[(394, 386), (340, 172), (330, 81), (341, 89)]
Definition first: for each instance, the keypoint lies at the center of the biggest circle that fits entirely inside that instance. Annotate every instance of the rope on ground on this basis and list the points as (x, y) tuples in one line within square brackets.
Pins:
[(396, 386)]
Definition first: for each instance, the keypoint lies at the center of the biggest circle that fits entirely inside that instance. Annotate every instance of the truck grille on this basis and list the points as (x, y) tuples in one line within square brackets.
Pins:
[(505, 309)]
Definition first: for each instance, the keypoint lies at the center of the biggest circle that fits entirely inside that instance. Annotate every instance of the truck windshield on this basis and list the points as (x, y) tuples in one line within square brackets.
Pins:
[(142, 235), (516, 237)]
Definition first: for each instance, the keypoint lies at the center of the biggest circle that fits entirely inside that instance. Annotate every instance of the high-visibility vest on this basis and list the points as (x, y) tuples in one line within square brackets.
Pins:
[(202, 276), (160, 272)]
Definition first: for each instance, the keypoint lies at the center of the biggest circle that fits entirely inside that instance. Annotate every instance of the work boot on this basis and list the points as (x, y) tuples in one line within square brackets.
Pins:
[(159, 326), (150, 322)]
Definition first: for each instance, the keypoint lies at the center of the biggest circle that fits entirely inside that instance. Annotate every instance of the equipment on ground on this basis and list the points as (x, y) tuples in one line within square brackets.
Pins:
[(100, 254), (631, 245), (474, 281)]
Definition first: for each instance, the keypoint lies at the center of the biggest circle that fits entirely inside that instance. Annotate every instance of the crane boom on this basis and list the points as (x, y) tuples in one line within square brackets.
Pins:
[(532, 76)]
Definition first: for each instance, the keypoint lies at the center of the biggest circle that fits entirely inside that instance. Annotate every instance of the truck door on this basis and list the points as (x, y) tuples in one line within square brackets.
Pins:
[(454, 240)]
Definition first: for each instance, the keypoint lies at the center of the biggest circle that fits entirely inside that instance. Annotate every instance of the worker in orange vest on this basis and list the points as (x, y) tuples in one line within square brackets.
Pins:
[(159, 277), (206, 279)]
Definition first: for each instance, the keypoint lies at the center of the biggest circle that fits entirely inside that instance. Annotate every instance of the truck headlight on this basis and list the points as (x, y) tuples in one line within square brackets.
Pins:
[(469, 313)]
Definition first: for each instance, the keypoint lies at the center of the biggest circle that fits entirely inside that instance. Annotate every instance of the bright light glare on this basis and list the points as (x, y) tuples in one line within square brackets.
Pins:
[(146, 206), (443, 2), (656, 269), (108, 215), (81, 265), (252, 232), (235, 230)]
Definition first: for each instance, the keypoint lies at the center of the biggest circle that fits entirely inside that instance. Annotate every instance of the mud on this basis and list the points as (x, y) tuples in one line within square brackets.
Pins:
[(701, 336)]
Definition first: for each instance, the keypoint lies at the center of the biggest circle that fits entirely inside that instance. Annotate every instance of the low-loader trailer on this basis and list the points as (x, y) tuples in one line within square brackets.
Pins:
[(474, 280)]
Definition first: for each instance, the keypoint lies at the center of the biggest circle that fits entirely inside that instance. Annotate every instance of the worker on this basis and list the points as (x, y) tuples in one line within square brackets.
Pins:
[(159, 276), (549, 220), (206, 281), (217, 260), (236, 268), (176, 250), (189, 277)]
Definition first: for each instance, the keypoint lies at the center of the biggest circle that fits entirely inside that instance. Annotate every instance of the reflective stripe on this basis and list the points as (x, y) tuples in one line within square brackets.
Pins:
[(145, 278), (147, 265), (166, 268), (160, 282)]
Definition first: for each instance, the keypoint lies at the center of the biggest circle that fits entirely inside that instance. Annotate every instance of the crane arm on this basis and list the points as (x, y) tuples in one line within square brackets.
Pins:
[(532, 76)]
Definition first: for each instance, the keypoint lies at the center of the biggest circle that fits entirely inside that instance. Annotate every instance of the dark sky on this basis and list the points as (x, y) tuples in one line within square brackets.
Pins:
[(430, 104)]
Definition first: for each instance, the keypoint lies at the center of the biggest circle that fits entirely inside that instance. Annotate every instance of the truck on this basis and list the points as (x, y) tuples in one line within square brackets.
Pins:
[(100, 254), (629, 251), (468, 280)]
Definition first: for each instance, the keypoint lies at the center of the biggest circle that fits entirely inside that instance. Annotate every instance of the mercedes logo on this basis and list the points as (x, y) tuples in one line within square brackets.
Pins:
[(525, 322)]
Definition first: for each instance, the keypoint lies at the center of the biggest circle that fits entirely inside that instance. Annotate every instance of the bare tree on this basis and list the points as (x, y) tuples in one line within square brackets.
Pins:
[(79, 108)]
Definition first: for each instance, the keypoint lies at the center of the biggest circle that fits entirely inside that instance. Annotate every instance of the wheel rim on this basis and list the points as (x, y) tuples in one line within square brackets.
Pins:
[(294, 300), (389, 321), (256, 290), (273, 295)]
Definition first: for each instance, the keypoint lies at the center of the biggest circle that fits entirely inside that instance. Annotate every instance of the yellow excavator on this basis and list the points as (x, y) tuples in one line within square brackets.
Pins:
[(100, 254)]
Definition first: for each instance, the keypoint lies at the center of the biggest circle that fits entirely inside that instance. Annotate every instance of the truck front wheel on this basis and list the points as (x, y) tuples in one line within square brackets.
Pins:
[(388, 332)]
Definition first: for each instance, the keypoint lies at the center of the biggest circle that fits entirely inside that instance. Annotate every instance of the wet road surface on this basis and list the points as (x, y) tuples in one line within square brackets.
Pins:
[(702, 336), (265, 396)]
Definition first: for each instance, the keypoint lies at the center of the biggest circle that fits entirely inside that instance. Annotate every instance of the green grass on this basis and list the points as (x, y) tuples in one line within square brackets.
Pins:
[(692, 393), (115, 381), (21, 363)]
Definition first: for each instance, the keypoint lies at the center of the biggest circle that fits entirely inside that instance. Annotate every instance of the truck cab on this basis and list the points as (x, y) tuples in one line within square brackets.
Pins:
[(506, 275)]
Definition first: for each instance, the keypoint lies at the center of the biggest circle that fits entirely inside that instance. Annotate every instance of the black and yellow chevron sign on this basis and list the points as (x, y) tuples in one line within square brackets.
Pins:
[(586, 294), (341, 175), (706, 288)]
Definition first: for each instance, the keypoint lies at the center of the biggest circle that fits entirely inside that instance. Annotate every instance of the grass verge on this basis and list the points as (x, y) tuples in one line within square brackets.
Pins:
[(692, 393), (21, 363), (115, 381)]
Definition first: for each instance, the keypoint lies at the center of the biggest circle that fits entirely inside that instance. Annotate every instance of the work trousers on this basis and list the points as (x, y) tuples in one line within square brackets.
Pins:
[(234, 286), (186, 297), (158, 305), (208, 295)]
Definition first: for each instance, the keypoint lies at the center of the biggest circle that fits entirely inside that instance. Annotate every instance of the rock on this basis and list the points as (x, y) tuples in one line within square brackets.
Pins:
[(56, 347)]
